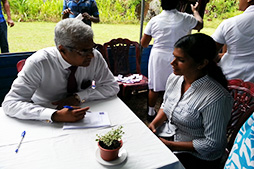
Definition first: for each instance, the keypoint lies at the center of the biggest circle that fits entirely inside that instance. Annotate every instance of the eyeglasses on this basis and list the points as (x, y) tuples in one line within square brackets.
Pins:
[(83, 52)]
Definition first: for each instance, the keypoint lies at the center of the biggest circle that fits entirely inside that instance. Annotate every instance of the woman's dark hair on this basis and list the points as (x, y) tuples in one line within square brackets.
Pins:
[(169, 4), (200, 47)]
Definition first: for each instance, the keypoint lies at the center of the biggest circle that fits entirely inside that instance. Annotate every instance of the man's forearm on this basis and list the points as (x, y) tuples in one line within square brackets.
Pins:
[(95, 19), (7, 8)]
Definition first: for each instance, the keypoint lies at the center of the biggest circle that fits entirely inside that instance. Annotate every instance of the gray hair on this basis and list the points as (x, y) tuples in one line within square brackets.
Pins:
[(71, 31)]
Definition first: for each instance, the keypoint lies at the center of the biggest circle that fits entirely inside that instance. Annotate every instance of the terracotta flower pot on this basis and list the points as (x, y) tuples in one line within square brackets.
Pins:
[(109, 155)]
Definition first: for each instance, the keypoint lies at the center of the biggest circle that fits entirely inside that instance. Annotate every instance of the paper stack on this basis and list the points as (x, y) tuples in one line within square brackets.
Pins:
[(91, 120)]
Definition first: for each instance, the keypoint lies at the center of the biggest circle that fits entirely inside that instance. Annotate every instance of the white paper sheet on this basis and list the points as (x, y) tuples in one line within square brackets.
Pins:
[(91, 120), (80, 17)]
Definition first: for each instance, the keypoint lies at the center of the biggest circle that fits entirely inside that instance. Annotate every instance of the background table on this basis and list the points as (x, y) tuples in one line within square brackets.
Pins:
[(49, 146)]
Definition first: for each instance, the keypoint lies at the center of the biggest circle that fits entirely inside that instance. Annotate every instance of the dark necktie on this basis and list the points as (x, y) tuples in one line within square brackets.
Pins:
[(72, 83)]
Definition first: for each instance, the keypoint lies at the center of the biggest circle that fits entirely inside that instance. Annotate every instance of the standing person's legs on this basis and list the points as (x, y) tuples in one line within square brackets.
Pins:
[(152, 98), (3, 38), (159, 68)]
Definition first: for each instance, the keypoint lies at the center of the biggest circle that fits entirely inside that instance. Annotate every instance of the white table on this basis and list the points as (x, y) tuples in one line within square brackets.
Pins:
[(48, 146)]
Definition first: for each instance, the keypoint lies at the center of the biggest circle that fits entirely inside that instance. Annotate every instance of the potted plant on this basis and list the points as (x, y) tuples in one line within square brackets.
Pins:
[(110, 143)]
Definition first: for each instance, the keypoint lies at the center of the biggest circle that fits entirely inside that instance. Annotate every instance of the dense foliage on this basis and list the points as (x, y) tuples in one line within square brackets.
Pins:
[(221, 9), (111, 11), (118, 11), (36, 10)]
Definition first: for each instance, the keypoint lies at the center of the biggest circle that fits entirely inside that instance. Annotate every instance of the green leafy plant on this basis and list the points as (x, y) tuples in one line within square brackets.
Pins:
[(111, 11), (111, 139), (221, 9)]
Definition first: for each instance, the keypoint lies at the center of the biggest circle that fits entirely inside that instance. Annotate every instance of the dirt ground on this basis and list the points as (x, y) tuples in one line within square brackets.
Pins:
[(138, 104)]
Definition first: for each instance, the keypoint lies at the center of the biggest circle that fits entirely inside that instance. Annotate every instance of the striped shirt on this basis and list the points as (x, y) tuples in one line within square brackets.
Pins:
[(1, 14), (200, 115), (82, 6)]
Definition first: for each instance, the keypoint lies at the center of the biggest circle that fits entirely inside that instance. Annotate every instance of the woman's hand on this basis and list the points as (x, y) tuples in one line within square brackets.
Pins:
[(178, 146), (200, 24), (152, 127), (195, 7), (157, 121), (167, 143)]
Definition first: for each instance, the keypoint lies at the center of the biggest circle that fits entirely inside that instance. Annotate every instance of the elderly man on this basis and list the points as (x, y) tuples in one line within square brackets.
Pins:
[(57, 76)]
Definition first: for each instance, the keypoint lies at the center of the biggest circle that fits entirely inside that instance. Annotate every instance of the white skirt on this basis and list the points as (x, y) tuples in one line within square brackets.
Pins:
[(159, 68)]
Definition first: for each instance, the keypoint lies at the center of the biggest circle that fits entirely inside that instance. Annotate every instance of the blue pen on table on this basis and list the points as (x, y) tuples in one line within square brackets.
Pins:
[(22, 137)]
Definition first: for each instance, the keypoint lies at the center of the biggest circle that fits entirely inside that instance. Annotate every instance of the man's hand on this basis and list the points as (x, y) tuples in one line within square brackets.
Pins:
[(10, 22), (67, 115), (86, 16), (94, 19), (72, 101), (68, 11)]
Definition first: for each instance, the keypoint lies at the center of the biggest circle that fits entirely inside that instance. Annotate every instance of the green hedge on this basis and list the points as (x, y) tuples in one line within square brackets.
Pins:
[(36, 10), (118, 11), (222, 9), (111, 11)]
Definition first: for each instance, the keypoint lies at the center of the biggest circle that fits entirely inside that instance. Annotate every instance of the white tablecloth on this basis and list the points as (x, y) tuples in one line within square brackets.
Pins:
[(48, 146)]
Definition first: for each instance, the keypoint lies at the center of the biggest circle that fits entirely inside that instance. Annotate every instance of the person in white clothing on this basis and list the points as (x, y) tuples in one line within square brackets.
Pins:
[(238, 34), (166, 28), (40, 90)]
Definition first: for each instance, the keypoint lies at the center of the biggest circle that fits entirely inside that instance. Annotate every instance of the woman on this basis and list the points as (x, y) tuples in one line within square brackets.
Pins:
[(238, 34), (196, 104), (166, 28)]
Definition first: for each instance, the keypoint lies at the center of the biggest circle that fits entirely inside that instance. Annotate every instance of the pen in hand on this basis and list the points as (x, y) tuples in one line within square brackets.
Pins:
[(22, 137), (71, 108), (68, 107)]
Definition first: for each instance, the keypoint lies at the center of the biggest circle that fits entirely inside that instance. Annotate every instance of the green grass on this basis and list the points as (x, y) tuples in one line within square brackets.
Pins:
[(32, 36)]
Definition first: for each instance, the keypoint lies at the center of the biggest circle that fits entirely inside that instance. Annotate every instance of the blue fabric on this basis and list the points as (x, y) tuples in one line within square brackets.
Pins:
[(82, 6), (3, 38), (242, 153), (1, 14)]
